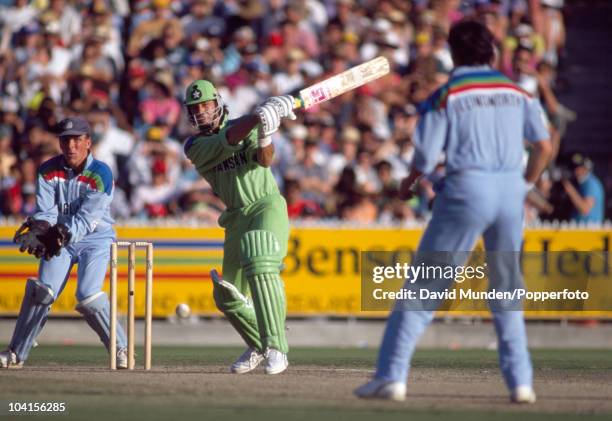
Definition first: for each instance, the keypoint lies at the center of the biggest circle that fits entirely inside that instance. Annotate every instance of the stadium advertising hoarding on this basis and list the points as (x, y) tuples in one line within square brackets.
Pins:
[(321, 272)]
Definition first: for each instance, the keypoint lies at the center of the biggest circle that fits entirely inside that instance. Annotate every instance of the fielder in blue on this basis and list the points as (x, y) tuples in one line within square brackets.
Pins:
[(480, 120), (72, 225)]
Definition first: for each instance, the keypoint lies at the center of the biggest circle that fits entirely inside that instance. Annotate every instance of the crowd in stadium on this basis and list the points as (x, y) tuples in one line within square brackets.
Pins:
[(125, 66)]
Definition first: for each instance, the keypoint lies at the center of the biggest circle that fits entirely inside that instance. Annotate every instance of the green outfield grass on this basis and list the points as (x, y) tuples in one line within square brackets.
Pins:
[(364, 358), (191, 383)]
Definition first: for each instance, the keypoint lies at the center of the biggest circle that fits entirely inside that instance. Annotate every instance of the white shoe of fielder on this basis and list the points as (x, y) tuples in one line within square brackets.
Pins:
[(248, 361), (122, 359), (276, 361), (8, 359), (382, 389), (523, 394)]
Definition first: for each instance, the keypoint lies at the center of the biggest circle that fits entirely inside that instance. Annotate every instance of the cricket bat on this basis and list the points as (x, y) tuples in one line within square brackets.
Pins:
[(342, 82)]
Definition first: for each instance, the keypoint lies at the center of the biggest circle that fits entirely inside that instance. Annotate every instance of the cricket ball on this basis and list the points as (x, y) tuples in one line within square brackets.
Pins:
[(183, 311)]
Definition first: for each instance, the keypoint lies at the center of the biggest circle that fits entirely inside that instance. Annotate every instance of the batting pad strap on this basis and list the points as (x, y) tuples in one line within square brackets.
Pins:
[(259, 253), (89, 302)]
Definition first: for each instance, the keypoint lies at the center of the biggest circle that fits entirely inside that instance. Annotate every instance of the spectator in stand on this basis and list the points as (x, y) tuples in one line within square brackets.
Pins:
[(132, 90), (297, 206), (110, 143), (390, 207), (7, 155), (167, 51), (69, 20), (162, 104), (59, 57), (588, 199), (153, 199), (290, 78), (360, 208), (313, 177), (287, 151), (523, 72), (17, 16), (347, 155), (367, 179), (200, 19), (554, 29), (523, 34), (155, 146), (153, 27)]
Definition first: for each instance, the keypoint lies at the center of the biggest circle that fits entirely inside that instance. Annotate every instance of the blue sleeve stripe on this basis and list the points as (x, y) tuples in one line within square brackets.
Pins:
[(102, 173)]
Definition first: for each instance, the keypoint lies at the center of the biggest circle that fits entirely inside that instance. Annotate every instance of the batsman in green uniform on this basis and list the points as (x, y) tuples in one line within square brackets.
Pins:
[(234, 156)]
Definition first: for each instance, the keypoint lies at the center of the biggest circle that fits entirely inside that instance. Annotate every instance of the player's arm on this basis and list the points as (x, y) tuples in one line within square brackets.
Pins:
[(267, 116), (429, 139), (267, 119), (46, 207), (583, 204), (537, 134), (241, 129), (538, 160), (265, 155), (407, 186)]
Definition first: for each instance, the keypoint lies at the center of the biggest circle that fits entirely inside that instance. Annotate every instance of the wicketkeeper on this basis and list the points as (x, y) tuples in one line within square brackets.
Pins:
[(72, 225), (234, 156)]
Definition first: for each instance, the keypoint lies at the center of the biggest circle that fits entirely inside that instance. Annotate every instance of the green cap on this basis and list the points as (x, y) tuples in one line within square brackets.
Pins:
[(200, 91)]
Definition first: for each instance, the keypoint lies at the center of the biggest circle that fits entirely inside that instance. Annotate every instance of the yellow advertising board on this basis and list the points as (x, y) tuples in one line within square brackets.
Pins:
[(321, 273)]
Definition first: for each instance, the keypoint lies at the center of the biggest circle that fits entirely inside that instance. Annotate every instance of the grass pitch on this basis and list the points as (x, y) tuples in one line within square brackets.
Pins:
[(194, 383)]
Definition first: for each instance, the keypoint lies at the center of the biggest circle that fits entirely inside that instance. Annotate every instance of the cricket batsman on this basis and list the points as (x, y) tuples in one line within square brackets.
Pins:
[(480, 119), (234, 156), (72, 225)]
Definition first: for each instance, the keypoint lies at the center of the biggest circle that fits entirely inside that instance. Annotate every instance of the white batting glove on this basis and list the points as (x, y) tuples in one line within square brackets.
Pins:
[(269, 117), (284, 104)]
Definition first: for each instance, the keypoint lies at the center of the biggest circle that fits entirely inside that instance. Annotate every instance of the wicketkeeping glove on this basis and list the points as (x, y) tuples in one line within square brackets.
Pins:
[(28, 236), (56, 237)]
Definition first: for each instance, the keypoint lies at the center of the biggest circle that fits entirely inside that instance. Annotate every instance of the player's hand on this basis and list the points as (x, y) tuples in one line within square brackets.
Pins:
[(407, 189), (270, 119), (28, 236), (284, 105), (56, 237)]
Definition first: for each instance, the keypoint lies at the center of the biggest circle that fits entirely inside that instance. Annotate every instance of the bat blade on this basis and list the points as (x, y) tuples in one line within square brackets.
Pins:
[(343, 82)]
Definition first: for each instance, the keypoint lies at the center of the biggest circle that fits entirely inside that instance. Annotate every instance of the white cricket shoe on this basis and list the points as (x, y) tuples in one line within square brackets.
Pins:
[(382, 389), (122, 359), (276, 361), (523, 394), (8, 359), (248, 361)]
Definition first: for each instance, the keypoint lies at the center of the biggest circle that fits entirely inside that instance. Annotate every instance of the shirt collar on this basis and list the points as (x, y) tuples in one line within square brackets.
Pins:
[(88, 162), (460, 70)]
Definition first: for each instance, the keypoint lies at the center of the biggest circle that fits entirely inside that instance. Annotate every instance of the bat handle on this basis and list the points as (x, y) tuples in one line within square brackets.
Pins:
[(298, 102)]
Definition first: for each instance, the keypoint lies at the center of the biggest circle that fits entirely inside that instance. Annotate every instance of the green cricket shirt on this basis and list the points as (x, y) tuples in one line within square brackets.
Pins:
[(232, 170)]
